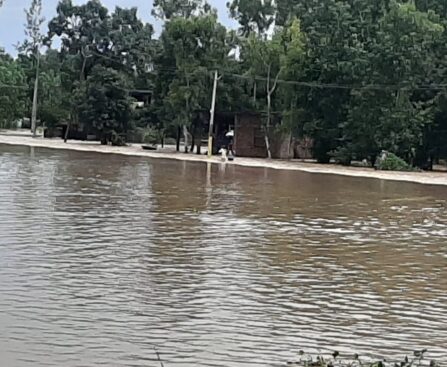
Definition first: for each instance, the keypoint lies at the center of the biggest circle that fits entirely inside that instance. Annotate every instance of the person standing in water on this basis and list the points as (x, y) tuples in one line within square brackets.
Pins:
[(230, 151)]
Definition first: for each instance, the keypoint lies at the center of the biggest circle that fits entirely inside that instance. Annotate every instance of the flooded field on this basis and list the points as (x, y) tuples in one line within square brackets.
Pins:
[(104, 258)]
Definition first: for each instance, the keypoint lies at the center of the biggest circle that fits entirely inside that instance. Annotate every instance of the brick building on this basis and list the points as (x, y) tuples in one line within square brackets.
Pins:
[(249, 140)]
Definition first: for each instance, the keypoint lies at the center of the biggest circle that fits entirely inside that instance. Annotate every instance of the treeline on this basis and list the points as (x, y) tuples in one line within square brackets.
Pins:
[(354, 76)]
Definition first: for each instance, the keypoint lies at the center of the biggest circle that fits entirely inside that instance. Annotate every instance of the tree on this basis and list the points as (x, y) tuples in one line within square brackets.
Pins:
[(261, 56), (169, 9), (294, 63), (191, 48), (32, 45), (254, 16), (83, 31), (90, 36), (105, 105), (393, 118), (269, 59), (131, 47), (12, 91), (54, 96), (264, 60), (361, 75)]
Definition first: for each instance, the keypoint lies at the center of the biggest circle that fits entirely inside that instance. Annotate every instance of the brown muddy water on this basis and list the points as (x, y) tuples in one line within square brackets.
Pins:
[(103, 257)]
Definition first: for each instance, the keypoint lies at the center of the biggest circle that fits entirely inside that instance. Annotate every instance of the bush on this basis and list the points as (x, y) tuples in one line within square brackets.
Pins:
[(147, 135), (151, 136), (391, 162), (117, 140), (342, 155)]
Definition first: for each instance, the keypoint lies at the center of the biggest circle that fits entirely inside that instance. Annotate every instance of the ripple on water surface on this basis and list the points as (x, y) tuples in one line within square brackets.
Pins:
[(103, 258)]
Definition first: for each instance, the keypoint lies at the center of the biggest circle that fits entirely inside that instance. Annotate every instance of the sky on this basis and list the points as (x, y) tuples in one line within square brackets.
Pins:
[(12, 16)]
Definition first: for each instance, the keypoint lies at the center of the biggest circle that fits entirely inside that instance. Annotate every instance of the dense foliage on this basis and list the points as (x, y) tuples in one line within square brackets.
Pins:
[(354, 76), (11, 93)]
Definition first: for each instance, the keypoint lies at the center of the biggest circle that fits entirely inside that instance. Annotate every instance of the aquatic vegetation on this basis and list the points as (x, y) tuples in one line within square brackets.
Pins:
[(337, 360)]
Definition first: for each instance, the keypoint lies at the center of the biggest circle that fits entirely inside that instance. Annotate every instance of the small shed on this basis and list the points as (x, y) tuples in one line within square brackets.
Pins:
[(249, 140), (249, 137)]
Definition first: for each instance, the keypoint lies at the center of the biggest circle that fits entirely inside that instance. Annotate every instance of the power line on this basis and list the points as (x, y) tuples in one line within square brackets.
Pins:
[(317, 85), (344, 86), (377, 87)]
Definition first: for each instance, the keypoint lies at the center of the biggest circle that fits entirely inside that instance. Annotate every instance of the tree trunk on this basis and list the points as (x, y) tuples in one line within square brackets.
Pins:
[(254, 93), (269, 106), (267, 145), (178, 138), (289, 156), (193, 138), (270, 91), (267, 128), (67, 130), (185, 136), (199, 140), (36, 89), (71, 121), (84, 63)]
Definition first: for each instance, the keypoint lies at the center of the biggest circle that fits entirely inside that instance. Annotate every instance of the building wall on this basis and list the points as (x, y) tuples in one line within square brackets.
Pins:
[(248, 137)]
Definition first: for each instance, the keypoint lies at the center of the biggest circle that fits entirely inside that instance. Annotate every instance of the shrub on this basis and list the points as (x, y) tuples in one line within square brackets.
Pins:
[(391, 162), (146, 135), (151, 136), (342, 155), (117, 140)]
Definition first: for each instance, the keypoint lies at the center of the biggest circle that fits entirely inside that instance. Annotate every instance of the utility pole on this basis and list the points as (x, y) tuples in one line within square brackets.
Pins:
[(213, 111)]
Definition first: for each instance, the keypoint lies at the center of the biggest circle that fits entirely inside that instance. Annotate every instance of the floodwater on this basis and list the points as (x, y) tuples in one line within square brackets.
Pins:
[(105, 258)]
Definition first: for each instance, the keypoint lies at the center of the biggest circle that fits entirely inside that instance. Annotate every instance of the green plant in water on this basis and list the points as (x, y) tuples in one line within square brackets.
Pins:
[(306, 360)]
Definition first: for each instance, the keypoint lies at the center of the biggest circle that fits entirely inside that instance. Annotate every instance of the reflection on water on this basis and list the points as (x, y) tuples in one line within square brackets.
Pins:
[(104, 257)]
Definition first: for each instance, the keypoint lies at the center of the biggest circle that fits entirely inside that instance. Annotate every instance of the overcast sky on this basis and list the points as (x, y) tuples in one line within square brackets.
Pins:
[(12, 16)]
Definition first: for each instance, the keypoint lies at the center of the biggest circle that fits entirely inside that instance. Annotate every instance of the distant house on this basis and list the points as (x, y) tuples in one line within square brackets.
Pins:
[(249, 138)]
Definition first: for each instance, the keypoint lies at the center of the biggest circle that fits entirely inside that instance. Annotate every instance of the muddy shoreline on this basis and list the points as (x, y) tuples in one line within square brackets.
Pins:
[(427, 178)]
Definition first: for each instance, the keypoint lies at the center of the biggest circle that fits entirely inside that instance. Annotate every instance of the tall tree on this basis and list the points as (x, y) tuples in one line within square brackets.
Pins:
[(191, 48), (105, 105), (32, 45), (393, 115), (131, 46), (83, 30), (264, 60), (294, 63), (54, 97)]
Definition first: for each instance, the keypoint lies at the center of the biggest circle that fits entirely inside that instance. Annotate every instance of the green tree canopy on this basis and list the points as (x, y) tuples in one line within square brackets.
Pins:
[(104, 104), (12, 91)]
